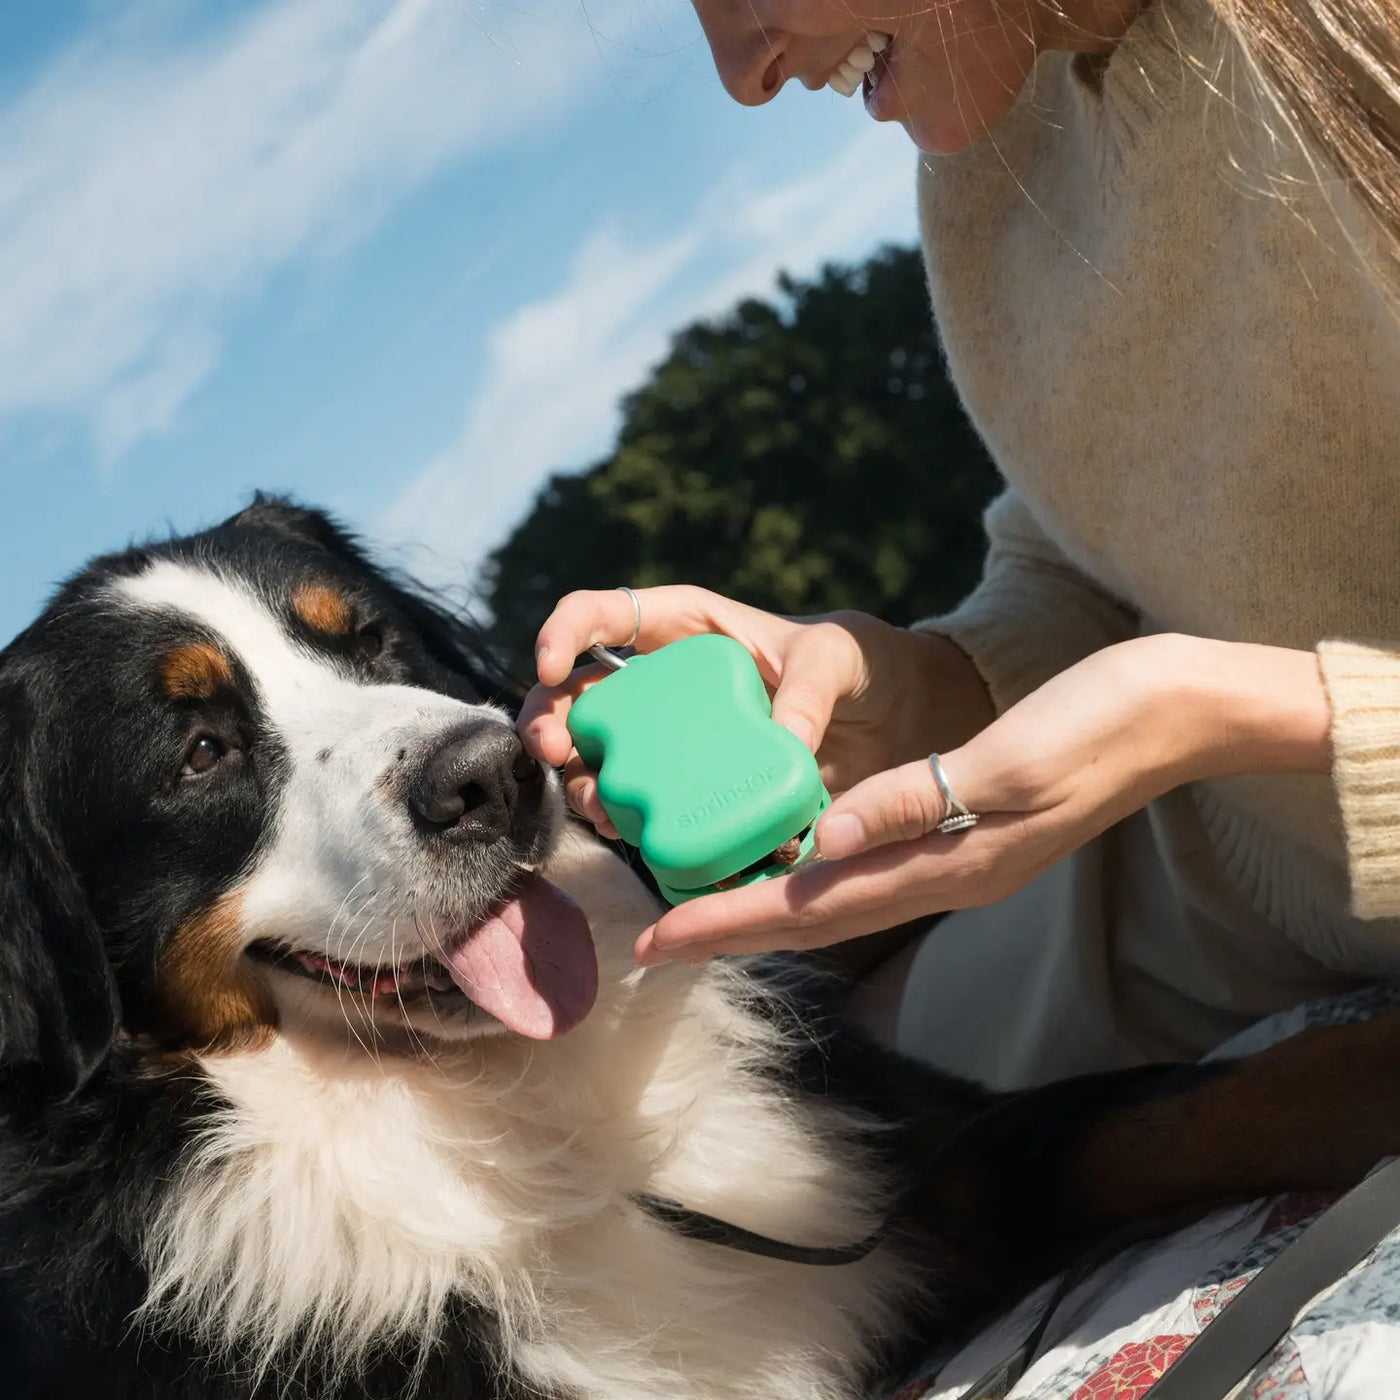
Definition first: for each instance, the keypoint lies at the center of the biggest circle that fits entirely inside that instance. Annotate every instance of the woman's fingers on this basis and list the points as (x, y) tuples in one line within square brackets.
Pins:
[(811, 666), (901, 804), (581, 792), (607, 616), (830, 902), (542, 724), (811, 908), (543, 730), (543, 720), (581, 620)]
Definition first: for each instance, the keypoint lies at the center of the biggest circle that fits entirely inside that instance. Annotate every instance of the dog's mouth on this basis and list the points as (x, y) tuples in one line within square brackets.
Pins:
[(530, 963), (410, 979)]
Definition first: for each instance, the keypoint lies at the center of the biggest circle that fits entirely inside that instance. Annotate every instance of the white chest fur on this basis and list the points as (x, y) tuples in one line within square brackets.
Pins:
[(341, 1199)]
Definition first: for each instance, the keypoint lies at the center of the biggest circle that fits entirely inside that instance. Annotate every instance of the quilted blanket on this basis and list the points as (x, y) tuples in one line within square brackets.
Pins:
[(1121, 1329)]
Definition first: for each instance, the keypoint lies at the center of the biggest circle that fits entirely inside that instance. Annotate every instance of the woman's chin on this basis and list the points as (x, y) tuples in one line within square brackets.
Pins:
[(946, 132), (940, 138), (937, 132), (947, 114)]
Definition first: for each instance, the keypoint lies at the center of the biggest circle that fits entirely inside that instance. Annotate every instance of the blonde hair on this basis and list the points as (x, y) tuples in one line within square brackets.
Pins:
[(1332, 69)]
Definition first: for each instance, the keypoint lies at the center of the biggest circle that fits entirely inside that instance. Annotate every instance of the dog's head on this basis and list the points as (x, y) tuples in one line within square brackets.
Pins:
[(247, 778)]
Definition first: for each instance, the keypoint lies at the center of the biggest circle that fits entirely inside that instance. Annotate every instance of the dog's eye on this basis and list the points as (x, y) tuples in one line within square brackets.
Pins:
[(203, 757), (370, 641)]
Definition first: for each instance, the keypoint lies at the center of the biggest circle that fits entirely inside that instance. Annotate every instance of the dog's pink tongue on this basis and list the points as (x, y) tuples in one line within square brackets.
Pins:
[(531, 964)]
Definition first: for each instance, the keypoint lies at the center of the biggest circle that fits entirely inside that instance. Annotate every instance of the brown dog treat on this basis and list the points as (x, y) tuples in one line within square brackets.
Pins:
[(787, 853)]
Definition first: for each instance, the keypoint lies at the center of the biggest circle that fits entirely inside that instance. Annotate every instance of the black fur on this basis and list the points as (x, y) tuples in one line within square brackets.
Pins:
[(59, 1004)]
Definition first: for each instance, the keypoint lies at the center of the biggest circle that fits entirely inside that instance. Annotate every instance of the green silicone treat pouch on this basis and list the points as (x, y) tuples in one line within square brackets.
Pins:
[(692, 769)]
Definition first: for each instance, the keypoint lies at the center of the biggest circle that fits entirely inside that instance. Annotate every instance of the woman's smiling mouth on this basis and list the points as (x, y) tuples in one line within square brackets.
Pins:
[(852, 71)]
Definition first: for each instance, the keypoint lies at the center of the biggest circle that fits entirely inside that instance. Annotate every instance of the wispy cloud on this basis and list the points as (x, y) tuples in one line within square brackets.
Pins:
[(155, 179), (557, 367)]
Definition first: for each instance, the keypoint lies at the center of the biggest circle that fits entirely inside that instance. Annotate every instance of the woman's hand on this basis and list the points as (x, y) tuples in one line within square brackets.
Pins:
[(863, 695), (1092, 745)]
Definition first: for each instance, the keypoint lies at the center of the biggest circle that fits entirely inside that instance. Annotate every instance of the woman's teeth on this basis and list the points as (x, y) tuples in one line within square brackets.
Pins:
[(861, 59)]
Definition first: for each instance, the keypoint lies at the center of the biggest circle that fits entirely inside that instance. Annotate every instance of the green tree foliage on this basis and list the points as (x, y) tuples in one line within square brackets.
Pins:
[(804, 455)]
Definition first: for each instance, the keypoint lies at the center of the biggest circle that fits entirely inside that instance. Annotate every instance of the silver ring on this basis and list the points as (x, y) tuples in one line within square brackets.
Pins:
[(605, 654), (957, 817), (636, 615)]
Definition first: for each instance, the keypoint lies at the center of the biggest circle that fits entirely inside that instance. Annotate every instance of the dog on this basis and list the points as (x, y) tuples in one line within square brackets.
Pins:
[(325, 1069)]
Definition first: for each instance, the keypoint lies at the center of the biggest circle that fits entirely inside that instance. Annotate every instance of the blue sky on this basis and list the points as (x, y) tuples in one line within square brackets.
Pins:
[(397, 258)]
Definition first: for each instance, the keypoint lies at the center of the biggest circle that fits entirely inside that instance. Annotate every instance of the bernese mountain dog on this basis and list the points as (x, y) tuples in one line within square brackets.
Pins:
[(325, 1070)]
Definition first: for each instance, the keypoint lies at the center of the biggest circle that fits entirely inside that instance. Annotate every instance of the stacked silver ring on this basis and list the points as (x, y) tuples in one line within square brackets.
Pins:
[(957, 816)]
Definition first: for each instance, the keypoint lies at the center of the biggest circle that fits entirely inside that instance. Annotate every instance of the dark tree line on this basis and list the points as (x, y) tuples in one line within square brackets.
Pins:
[(802, 454)]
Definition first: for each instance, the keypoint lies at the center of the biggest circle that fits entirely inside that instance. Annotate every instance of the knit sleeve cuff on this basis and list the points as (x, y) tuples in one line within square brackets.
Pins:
[(1363, 688)]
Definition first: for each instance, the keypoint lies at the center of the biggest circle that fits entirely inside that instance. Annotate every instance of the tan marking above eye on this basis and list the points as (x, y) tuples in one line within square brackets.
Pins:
[(323, 609), (207, 993), (195, 672)]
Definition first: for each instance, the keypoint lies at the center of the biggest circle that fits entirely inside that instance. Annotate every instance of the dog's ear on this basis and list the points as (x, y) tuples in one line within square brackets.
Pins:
[(286, 517), (58, 1003)]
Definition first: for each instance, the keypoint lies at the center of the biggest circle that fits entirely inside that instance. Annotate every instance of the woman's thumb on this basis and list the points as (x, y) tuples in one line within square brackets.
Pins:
[(816, 674)]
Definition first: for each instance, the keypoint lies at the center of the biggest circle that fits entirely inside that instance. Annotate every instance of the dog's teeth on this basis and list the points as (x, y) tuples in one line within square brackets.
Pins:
[(861, 58), (838, 82), (342, 973)]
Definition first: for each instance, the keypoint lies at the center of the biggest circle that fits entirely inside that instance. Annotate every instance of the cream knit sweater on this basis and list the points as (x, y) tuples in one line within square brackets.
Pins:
[(1194, 394)]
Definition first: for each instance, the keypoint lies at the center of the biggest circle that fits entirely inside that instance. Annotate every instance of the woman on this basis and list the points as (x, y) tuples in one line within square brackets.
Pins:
[(1162, 247)]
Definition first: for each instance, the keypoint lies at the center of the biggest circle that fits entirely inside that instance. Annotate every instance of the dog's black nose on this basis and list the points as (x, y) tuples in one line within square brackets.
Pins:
[(477, 784)]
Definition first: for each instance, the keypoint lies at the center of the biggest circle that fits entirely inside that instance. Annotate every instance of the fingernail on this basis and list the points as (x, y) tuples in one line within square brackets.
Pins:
[(840, 836), (645, 952)]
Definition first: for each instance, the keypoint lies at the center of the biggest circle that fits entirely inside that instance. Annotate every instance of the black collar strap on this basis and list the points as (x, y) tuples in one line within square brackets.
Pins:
[(695, 1225)]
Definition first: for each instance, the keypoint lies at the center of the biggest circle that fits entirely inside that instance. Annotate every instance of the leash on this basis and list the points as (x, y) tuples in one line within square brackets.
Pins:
[(1239, 1338), (1228, 1349), (696, 1225)]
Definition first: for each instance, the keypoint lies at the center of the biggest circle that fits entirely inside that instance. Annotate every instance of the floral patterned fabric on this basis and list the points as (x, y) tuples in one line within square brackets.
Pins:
[(1121, 1329)]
